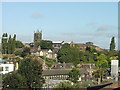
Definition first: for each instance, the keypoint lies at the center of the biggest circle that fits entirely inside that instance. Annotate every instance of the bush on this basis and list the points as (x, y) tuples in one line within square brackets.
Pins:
[(85, 84), (5, 57), (19, 52)]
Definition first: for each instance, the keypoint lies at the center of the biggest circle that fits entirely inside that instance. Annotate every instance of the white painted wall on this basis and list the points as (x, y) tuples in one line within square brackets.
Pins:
[(10, 68)]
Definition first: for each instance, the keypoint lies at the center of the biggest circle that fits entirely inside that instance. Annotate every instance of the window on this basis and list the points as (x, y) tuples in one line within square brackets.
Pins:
[(1, 68), (6, 68)]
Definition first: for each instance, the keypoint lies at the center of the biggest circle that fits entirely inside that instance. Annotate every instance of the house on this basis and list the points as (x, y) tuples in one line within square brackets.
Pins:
[(54, 76), (57, 44), (44, 52), (82, 46), (6, 66)]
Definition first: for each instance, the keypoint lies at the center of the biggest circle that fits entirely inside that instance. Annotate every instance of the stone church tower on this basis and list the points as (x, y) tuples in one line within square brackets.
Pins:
[(37, 37)]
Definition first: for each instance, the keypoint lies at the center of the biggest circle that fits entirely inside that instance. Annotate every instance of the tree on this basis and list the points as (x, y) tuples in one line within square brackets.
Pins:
[(66, 45), (13, 43), (4, 43), (69, 55), (26, 51), (112, 44), (14, 80), (101, 64), (5, 57), (74, 75), (18, 52), (32, 71), (91, 49), (65, 85), (9, 45), (19, 44), (45, 44)]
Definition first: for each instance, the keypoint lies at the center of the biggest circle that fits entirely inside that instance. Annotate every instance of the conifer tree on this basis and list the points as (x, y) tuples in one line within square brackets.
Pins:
[(112, 44), (13, 43), (9, 45), (4, 43)]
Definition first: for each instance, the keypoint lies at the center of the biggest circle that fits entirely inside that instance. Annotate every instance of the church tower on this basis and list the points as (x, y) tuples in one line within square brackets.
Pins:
[(37, 37)]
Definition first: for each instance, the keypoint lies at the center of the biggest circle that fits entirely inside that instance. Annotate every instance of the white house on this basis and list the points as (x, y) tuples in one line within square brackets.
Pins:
[(6, 66)]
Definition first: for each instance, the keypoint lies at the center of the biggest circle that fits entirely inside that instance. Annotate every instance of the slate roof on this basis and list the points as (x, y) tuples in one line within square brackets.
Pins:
[(61, 72), (55, 72), (63, 66)]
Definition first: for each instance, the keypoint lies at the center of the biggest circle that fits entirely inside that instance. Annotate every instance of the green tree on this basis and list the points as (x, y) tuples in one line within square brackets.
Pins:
[(5, 57), (112, 44), (9, 45), (45, 44), (66, 45), (69, 55), (18, 52), (26, 51), (91, 49), (13, 43), (4, 43), (101, 64), (14, 80), (74, 75), (19, 44), (32, 71), (65, 85)]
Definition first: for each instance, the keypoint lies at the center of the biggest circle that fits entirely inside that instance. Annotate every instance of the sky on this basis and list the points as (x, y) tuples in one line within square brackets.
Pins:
[(79, 22)]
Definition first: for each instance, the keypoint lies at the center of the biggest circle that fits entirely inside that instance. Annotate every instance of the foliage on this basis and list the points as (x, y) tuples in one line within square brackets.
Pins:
[(10, 45), (101, 64), (18, 52), (26, 51), (49, 64), (5, 57), (113, 58), (91, 49), (69, 54), (14, 80), (112, 44), (65, 85), (101, 61), (19, 44), (45, 44), (32, 71), (66, 45), (13, 44), (4, 43), (74, 75)]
